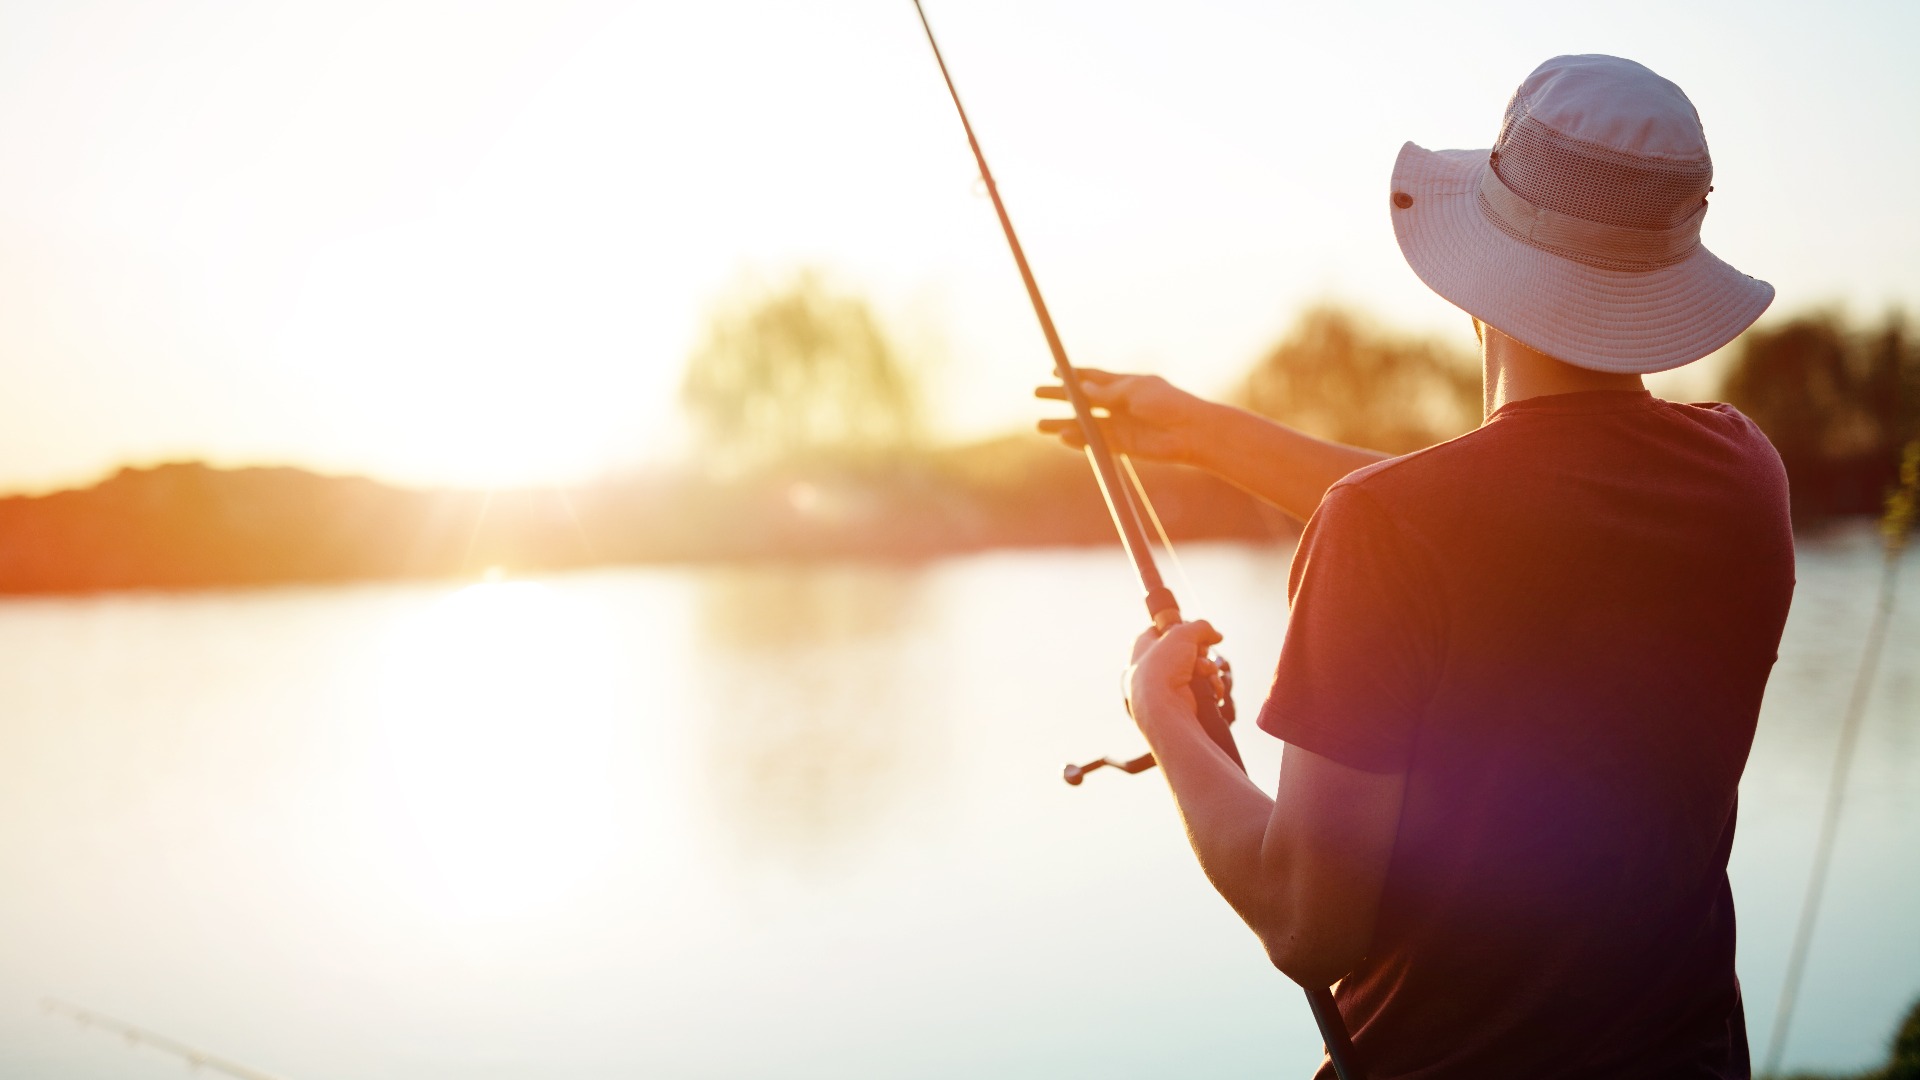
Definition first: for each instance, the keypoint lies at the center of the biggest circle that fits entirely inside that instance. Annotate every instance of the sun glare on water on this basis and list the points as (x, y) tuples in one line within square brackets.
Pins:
[(497, 719)]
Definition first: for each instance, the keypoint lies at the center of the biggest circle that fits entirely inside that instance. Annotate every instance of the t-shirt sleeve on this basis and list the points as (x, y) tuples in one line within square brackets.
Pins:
[(1364, 640)]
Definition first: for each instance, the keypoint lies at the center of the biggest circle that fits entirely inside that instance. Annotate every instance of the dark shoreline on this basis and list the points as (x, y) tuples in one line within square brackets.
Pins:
[(188, 526)]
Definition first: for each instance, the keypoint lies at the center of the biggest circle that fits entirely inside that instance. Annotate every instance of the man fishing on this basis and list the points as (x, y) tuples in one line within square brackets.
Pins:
[(1522, 668)]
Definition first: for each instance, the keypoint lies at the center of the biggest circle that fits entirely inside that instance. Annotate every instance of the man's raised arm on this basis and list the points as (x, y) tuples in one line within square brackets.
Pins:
[(1151, 419)]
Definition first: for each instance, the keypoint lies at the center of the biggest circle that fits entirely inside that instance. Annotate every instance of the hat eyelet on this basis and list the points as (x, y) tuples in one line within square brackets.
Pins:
[(1402, 200)]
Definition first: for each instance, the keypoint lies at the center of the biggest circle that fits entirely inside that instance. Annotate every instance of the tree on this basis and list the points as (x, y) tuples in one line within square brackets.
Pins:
[(800, 373), (1336, 378), (1837, 402)]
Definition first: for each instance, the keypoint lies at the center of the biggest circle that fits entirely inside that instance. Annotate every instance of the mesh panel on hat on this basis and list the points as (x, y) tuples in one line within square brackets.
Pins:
[(1582, 179)]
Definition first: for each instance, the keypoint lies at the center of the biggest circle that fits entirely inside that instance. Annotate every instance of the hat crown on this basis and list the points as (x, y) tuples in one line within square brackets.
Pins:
[(1605, 140), (1614, 103)]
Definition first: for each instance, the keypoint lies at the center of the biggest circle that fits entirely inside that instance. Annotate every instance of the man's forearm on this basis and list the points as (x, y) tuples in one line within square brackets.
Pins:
[(1304, 874), (1224, 812), (1278, 464)]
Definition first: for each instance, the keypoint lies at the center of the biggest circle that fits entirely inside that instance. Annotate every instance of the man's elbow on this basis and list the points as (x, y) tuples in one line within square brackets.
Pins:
[(1309, 959)]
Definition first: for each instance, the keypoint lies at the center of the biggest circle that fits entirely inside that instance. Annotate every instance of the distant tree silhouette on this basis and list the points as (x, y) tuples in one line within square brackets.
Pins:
[(1337, 377), (1904, 1061), (802, 372), (1837, 402), (1903, 1056)]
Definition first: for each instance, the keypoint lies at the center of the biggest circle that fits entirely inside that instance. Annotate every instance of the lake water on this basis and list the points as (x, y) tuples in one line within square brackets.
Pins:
[(748, 822)]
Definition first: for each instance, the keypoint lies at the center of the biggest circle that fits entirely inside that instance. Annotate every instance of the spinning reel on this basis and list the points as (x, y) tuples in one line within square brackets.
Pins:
[(1073, 774)]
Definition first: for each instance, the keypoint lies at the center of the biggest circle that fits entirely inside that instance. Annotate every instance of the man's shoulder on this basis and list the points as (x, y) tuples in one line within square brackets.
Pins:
[(1513, 439), (1601, 459), (1458, 461)]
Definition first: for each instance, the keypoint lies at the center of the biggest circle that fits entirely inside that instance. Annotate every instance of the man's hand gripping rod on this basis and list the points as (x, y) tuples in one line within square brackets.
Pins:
[(1075, 773), (1122, 503), (1161, 605)]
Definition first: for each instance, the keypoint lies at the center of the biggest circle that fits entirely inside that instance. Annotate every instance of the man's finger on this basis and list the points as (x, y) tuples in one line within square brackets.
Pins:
[(1102, 396), (1144, 642), (1198, 633), (1101, 387), (1107, 392)]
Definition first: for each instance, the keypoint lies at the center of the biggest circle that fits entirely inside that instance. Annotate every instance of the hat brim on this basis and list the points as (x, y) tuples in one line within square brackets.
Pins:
[(1607, 320)]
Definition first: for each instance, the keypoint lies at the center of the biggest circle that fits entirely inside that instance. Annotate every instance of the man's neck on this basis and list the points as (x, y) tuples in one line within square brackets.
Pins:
[(1513, 372)]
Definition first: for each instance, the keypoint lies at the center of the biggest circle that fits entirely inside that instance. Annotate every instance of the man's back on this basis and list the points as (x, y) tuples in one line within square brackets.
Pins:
[(1559, 627)]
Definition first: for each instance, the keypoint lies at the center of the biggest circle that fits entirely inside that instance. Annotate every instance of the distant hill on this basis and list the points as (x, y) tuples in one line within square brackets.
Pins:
[(191, 526)]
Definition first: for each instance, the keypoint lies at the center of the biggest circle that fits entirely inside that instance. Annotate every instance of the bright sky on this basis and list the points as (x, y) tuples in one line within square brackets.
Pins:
[(455, 241)]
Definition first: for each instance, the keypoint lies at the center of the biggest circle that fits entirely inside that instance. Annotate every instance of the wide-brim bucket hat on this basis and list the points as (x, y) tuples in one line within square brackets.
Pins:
[(1578, 232)]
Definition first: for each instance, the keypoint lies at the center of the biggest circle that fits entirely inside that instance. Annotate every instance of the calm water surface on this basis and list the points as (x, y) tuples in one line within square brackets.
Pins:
[(728, 823)]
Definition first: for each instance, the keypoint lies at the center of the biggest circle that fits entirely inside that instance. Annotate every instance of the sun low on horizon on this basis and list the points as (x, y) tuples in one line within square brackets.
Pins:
[(475, 244)]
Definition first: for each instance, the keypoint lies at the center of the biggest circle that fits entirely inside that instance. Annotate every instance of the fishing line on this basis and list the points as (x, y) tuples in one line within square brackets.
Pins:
[(1894, 527), (1166, 542)]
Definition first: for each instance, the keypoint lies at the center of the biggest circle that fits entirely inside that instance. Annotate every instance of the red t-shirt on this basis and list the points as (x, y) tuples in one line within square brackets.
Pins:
[(1558, 626)]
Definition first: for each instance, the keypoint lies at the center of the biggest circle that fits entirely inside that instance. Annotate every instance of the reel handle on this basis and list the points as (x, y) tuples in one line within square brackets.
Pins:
[(1215, 716)]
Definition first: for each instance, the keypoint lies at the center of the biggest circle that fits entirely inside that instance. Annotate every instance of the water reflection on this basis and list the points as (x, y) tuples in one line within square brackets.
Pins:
[(813, 728), (778, 608), (497, 718), (597, 826)]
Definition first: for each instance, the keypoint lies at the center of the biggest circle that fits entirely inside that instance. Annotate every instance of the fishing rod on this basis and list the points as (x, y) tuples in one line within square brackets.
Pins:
[(1125, 505), (138, 1036)]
